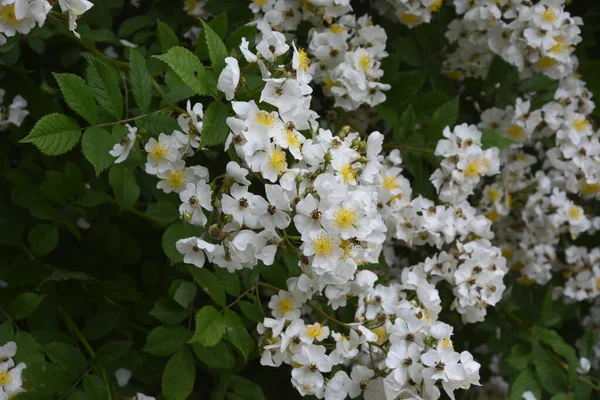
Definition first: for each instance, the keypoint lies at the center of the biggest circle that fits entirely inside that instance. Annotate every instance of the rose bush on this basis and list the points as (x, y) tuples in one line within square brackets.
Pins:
[(283, 198)]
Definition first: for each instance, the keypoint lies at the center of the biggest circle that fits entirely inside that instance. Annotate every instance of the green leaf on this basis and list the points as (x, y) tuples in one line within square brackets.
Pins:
[(7, 331), (67, 357), (229, 281), (552, 377), (444, 116), (43, 238), (24, 304), (168, 312), (95, 145), (189, 68), (216, 48), (179, 376), (29, 350), (166, 37), (122, 180), (78, 96), (173, 234), (407, 51), (561, 347), (519, 357), (95, 388), (54, 134), (163, 212), (134, 24), (561, 396), (247, 389), (185, 293), (209, 283), (215, 129), (219, 356), (235, 38), (166, 340), (47, 377), (491, 138), (99, 325), (524, 382), (587, 345), (210, 327), (251, 311), (141, 81), (237, 334), (104, 82), (406, 124), (111, 352)]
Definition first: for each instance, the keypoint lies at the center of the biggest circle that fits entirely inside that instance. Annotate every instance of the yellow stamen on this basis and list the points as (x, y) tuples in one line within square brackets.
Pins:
[(323, 245), (278, 161), (7, 14), (303, 60), (345, 217), (265, 118), (473, 169), (494, 194), (4, 378), (348, 174), (158, 152), (446, 342), (590, 188), (409, 19), (176, 179), (581, 124), (456, 75), (390, 183), (493, 215), (575, 212), (546, 62), (516, 132), (382, 335), (507, 252), (285, 305), (314, 331), (436, 5), (365, 62), (549, 15), (292, 138), (337, 28)]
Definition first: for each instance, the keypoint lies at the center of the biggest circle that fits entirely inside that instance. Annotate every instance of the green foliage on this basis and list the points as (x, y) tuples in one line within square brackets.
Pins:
[(141, 81), (189, 69), (78, 96), (54, 134), (95, 146)]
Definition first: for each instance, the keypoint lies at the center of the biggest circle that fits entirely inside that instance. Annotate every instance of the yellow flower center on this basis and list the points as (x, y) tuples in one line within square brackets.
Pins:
[(285, 305), (516, 132), (549, 15), (323, 246), (260, 3), (303, 59), (265, 118), (427, 316), (4, 378), (590, 188), (509, 200), (456, 75), (546, 62), (337, 28), (345, 217), (7, 14), (176, 179), (598, 283), (494, 194), (348, 173), (159, 152), (493, 215), (292, 138), (473, 169), (507, 252), (348, 248), (329, 83), (390, 183), (278, 161), (446, 342), (580, 124), (436, 5), (559, 46), (382, 335), (365, 62), (314, 331), (575, 212), (409, 19)]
